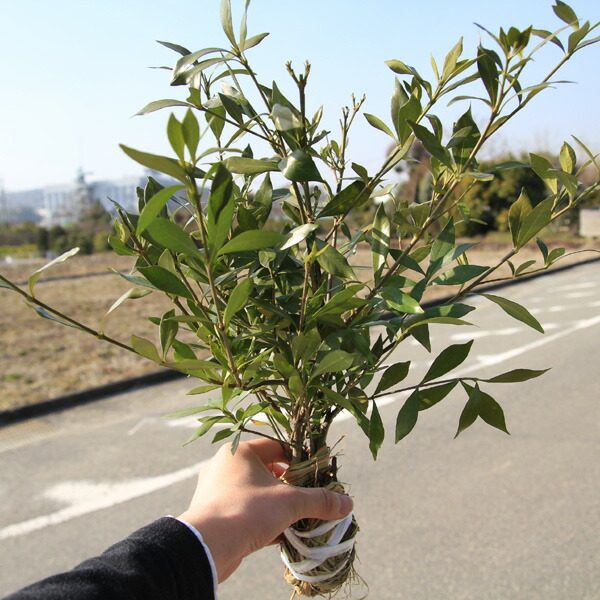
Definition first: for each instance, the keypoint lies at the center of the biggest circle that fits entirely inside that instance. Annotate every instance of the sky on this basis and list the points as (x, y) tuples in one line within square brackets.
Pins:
[(74, 72)]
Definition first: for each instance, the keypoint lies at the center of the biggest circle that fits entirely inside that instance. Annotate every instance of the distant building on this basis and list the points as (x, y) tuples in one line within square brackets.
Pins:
[(64, 204)]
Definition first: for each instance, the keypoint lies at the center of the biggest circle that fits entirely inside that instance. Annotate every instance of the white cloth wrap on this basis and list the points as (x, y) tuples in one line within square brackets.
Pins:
[(315, 556)]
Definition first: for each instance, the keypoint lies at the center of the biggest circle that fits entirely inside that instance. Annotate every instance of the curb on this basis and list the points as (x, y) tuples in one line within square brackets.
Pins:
[(11, 416)]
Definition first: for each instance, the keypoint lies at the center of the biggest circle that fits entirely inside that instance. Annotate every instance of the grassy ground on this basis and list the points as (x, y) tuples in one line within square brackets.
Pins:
[(40, 359)]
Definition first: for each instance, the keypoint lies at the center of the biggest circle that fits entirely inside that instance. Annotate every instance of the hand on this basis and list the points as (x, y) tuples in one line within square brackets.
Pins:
[(240, 505)]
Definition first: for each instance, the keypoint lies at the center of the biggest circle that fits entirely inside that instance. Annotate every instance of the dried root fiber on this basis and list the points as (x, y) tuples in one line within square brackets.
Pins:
[(319, 555)]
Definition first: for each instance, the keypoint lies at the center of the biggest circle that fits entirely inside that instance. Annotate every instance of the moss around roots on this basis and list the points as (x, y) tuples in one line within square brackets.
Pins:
[(319, 471)]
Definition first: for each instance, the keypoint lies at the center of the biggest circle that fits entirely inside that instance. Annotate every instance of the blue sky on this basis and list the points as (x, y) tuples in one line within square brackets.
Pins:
[(74, 72)]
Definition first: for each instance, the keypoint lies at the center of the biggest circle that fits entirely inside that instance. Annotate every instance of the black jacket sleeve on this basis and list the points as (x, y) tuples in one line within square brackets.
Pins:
[(163, 560)]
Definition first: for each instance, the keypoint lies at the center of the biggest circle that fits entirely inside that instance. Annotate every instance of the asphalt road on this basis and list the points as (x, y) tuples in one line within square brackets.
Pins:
[(484, 517)]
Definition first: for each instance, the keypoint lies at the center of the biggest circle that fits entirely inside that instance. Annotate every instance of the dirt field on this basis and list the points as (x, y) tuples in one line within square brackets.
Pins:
[(40, 359)]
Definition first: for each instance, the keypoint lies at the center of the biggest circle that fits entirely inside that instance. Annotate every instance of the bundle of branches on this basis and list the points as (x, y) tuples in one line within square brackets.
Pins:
[(270, 315)]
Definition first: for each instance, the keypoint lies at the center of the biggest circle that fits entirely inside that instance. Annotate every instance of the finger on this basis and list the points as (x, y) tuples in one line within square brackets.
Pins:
[(320, 503), (268, 451)]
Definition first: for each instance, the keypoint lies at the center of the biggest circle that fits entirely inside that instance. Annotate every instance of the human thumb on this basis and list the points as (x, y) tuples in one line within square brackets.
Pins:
[(321, 503)]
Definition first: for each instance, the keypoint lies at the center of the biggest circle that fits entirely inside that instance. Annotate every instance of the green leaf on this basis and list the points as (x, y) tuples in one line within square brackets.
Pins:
[(451, 59), (333, 362), (407, 416), (226, 23), (517, 214), (399, 301), (162, 164), (237, 299), (35, 275), (332, 261), (346, 200), (191, 132), (379, 124), (444, 242), (470, 412), (486, 407), (517, 375), (459, 275), (188, 412), (42, 312), (568, 158), (393, 375), (248, 241), (376, 431), (488, 71), (167, 332), (431, 143), (298, 234), (299, 166), (154, 206), (516, 311), (431, 396), (158, 104), (535, 221), (447, 360), (221, 206), (165, 281), (202, 389), (566, 14), (380, 246), (166, 233), (250, 166), (144, 348), (263, 201), (347, 404), (175, 136), (254, 41)]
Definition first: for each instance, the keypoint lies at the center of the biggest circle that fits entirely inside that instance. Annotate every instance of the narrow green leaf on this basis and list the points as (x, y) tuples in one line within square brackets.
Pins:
[(399, 301), (154, 206), (470, 412), (535, 221), (393, 375), (459, 275), (237, 299), (380, 246), (299, 234), (447, 360), (144, 348), (202, 389), (191, 132), (158, 104), (221, 207), (488, 71), (59, 259), (407, 416), (299, 166), (431, 396), (250, 166), (379, 124), (566, 14), (516, 311), (347, 199), (42, 312), (226, 23), (517, 214), (333, 362), (431, 143), (166, 233), (444, 242), (332, 261), (165, 281), (517, 375), (188, 412), (376, 431), (248, 241), (162, 164)]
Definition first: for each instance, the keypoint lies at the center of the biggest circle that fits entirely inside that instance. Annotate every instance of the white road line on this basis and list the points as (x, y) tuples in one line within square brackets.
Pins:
[(98, 496), (87, 497)]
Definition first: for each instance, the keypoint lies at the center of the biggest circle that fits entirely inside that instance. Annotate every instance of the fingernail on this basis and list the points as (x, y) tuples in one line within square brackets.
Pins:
[(346, 504)]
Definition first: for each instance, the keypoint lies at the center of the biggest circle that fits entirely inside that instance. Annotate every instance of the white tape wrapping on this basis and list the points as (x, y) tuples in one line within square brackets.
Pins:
[(315, 556)]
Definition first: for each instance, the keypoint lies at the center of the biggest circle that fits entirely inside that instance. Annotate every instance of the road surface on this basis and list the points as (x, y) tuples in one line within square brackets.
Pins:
[(484, 517)]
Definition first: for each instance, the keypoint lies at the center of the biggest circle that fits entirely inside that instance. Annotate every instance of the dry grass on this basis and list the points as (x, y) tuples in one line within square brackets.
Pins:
[(40, 359)]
